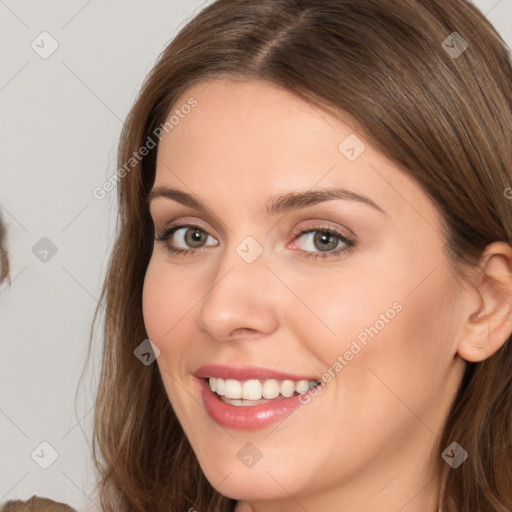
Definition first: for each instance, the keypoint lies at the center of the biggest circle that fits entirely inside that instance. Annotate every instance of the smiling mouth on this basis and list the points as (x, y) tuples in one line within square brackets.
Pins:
[(257, 391)]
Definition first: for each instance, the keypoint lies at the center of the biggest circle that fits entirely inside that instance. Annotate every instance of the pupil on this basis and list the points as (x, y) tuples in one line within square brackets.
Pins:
[(195, 236), (327, 240)]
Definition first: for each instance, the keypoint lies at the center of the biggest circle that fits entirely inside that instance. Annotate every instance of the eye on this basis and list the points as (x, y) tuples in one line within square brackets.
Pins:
[(185, 239), (319, 241), (323, 242)]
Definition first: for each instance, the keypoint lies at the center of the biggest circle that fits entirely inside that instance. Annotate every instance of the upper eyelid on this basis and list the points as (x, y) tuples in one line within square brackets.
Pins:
[(181, 225), (350, 242), (222, 228), (186, 219), (296, 233)]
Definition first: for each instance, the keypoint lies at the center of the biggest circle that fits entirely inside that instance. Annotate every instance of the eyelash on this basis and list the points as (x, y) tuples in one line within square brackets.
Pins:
[(350, 244)]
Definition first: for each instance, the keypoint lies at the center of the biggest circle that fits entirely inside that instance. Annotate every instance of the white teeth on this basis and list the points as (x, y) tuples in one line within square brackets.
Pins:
[(251, 390), (255, 390), (219, 386), (287, 388), (302, 386), (232, 388), (270, 388)]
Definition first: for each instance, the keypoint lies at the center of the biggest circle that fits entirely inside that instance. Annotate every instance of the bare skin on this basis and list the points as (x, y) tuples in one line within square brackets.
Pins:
[(365, 441)]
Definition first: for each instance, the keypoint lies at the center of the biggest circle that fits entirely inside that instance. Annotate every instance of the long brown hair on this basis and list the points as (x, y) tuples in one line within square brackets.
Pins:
[(4, 259), (438, 109)]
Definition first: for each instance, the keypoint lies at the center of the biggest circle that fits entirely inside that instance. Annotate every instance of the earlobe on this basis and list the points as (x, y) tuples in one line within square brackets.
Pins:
[(489, 327)]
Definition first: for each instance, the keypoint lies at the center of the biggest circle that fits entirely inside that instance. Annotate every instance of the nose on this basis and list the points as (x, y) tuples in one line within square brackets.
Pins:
[(240, 300)]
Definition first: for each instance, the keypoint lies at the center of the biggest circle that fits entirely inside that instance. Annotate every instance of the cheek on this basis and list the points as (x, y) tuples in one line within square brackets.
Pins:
[(155, 304), (347, 310), (167, 298), (404, 363), (382, 324), (166, 301)]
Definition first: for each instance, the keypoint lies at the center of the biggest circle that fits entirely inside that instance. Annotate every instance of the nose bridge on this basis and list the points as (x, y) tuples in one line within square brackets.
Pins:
[(238, 297)]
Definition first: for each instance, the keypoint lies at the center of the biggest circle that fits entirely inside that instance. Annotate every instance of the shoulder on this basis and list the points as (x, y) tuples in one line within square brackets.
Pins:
[(35, 504)]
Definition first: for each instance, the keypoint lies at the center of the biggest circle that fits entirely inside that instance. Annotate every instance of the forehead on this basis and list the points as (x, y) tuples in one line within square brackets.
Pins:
[(255, 139), (245, 118)]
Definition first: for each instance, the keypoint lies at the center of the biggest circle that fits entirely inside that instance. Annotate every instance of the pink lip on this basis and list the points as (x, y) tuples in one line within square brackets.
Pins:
[(246, 417), (246, 373)]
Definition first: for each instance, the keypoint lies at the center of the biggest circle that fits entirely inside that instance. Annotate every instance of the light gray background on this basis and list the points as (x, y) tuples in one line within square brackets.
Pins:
[(60, 121)]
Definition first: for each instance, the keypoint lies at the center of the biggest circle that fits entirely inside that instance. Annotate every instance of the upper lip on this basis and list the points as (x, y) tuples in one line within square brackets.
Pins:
[(243, 373)]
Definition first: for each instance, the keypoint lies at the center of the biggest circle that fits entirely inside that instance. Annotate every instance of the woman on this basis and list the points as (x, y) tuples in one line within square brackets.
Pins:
[(314, 233)]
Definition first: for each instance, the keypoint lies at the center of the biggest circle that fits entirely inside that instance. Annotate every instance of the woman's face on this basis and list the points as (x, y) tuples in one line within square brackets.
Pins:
[(355, 292)]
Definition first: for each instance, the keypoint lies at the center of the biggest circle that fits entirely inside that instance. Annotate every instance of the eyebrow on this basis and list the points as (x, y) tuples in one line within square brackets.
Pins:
[(277, 204)]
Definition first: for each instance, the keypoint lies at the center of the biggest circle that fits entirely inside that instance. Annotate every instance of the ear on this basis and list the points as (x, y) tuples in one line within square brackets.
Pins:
[(489, 325)]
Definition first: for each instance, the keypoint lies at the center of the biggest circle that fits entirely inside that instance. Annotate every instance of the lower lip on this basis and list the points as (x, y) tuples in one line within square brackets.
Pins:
[(246, 417)]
